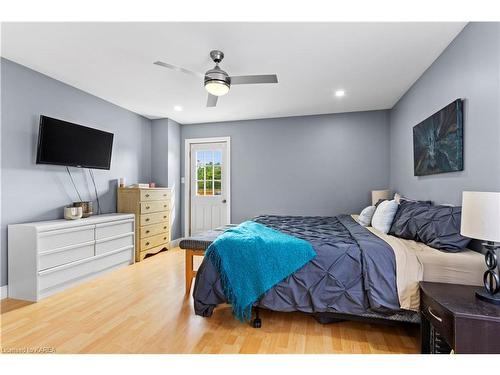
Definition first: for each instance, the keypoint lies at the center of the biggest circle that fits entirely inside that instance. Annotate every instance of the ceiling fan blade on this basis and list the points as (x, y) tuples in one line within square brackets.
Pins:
[(246, 80), (212, 100), (178, 68)]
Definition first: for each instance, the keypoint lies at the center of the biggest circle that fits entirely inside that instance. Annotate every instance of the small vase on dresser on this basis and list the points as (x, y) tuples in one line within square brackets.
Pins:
[(151, 207)]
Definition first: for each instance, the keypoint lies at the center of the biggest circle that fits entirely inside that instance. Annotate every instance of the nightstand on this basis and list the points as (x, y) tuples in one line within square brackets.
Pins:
[(453, 318)]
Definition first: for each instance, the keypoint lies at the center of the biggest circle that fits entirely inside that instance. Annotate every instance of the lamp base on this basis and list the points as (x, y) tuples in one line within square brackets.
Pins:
[(483, 295)]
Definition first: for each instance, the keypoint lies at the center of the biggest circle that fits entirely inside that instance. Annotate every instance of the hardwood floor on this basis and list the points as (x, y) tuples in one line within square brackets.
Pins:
[(142, 309)]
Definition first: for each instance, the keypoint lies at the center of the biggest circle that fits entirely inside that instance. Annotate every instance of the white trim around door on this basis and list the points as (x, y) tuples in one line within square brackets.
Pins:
[(187, 177)]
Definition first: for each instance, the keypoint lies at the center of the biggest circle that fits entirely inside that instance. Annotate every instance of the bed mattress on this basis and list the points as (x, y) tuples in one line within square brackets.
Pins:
[(466, 267)]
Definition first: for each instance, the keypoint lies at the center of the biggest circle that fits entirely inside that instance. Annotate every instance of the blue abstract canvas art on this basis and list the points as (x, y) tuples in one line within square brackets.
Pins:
[(438, 142)]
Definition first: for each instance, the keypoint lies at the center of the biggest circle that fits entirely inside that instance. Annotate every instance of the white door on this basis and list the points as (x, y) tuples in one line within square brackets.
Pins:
[(208, 186)]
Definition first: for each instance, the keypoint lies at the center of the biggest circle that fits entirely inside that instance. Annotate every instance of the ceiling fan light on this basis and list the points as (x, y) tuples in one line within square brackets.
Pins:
[(217, 87)]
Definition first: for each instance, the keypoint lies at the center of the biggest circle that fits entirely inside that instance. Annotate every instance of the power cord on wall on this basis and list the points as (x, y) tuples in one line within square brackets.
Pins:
[(74, 185), (95, 189)]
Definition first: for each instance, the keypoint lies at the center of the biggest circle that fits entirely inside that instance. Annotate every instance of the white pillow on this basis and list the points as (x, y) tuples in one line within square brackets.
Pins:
[(384, 215), (365, 217)]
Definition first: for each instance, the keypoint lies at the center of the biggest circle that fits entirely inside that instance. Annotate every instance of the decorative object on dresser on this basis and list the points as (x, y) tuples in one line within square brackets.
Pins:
[(73, 213), (453, 319), (87, 208), (481, 220), (438, 142), (49, 256), (151, 207), (380, 194)]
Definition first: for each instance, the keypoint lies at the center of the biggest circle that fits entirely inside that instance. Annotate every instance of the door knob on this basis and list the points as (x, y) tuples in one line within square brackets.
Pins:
[(224, 201)]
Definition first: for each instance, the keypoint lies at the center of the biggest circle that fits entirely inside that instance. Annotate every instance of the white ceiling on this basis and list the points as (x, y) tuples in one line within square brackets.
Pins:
[(375, 63)]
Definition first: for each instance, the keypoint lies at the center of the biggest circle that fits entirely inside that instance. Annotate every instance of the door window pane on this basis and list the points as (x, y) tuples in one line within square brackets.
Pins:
[(209, 188), (217, 172), (217, 188), (200, 188), (201, 173)]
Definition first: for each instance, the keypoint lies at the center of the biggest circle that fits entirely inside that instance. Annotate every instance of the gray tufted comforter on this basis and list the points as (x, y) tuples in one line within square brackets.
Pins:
[(354, 271)]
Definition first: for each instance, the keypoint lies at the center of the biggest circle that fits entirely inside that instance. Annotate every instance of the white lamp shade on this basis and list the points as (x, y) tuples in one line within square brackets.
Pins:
[(380, 194), (481, 215)]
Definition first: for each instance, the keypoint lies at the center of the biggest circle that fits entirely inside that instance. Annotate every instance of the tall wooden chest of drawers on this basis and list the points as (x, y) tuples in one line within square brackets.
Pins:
[(151, 207)]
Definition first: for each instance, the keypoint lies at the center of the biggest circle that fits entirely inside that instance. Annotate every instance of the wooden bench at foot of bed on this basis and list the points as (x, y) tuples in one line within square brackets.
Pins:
[(190, 272), (196, 245)]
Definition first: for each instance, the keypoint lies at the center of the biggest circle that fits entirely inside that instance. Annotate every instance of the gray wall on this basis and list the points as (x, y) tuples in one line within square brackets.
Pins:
[(159, 152), (174, 174), (165, 164), (31, 192), (469, 69), (311, 165)]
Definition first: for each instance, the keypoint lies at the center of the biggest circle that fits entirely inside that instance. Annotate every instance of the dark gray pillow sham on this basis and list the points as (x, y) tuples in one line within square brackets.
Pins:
[(404, 225), (439, 227)]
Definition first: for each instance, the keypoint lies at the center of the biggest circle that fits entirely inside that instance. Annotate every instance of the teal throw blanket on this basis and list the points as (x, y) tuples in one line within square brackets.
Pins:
[(252, 258)]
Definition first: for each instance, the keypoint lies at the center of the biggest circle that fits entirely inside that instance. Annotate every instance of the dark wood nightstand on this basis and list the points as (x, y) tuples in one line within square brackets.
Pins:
[(453, 318)]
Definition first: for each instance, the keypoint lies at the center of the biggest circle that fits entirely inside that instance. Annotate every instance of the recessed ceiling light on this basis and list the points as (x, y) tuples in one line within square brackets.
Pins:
[(177, 108), (339, 93)]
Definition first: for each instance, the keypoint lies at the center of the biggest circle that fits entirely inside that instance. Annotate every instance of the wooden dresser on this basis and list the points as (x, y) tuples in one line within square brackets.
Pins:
[(151, 207)]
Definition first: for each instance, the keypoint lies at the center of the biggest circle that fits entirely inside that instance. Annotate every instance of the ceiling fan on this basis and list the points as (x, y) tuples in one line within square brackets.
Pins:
[(217, 82)]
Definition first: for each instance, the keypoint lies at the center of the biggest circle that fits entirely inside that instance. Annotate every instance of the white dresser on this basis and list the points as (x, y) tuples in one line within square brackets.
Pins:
[(48, 256)]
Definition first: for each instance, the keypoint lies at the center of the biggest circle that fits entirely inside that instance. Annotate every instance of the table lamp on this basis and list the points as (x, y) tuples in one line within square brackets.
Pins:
[(481, 220), (380, 194)]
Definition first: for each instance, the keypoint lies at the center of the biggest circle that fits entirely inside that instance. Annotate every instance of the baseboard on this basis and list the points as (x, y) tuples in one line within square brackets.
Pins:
[(4, 292), (175, 243)]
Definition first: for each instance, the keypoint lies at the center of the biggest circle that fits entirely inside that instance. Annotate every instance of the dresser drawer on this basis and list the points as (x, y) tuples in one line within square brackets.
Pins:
[(61, 277), (54, 258), (159, 217), (153, 230), (157, 206), (56, 239), (153, 241), (114, 243), (155, 195), (440, 318), (114, 228)]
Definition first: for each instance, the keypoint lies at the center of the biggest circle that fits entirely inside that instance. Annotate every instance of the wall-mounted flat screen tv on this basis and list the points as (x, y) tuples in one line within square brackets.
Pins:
[(64, 143)]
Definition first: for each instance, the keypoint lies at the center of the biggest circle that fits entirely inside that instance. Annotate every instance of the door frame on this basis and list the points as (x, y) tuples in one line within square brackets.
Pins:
[(187, 177)]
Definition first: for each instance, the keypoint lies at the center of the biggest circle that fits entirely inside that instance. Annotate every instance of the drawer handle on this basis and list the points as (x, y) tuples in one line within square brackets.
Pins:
[(164, 195), (434, 315), (147, 207), (164, 217), (147, 195), (164, 227), (164, 238), (165, 205), (147, 219), (147, 243), (147, 231)]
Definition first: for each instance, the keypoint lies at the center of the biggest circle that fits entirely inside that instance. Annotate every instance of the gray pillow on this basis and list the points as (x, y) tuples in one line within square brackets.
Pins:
[(365, 217), (404, 225), (439, 227), (384, 215)]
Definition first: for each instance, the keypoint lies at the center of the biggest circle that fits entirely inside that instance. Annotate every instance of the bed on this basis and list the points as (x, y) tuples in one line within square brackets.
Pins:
[(358, 273)]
